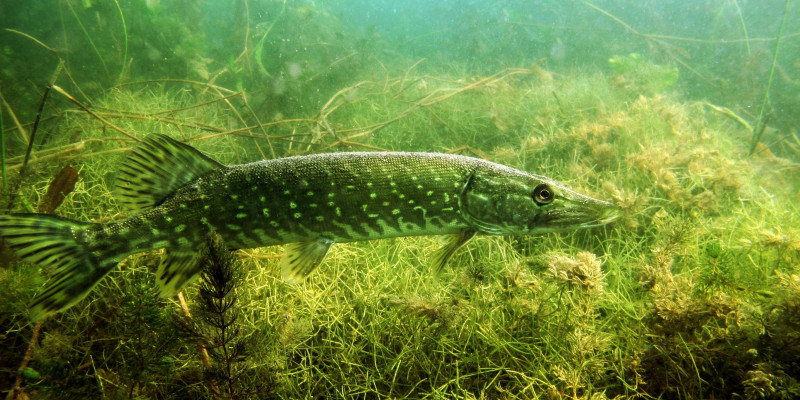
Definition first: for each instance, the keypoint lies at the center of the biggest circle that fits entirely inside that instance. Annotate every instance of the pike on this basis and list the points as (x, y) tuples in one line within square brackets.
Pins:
[(179, 196)]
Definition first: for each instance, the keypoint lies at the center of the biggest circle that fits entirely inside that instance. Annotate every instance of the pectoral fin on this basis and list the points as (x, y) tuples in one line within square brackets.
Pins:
[(301, 258), (442, 256)]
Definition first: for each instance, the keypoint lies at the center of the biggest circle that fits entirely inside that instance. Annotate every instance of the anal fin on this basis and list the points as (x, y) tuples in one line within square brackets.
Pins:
[(301, 258), (178, 268), (441, 256)]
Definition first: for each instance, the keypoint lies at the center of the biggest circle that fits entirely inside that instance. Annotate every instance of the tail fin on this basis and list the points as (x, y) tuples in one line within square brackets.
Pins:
[(59, 243)]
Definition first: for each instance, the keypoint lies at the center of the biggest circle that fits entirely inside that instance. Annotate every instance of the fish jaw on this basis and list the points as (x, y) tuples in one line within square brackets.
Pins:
[(573, 210)]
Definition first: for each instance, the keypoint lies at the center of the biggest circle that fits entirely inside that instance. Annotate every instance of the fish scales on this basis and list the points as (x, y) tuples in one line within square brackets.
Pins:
[(341, 197), (308, 203)]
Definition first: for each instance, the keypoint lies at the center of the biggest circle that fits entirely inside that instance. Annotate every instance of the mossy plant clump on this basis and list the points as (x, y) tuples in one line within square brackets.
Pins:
[(636, 73)]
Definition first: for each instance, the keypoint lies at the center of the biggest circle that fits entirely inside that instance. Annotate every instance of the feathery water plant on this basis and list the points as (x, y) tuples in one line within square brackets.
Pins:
[(218, 326)]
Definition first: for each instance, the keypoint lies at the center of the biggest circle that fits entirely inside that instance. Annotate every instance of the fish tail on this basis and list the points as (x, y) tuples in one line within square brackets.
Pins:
[(63, 245)]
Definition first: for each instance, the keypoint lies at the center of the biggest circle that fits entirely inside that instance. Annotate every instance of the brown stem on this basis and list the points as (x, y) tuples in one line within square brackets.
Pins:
[(200, 348), (12, 394), (90, 112), (39, 113)]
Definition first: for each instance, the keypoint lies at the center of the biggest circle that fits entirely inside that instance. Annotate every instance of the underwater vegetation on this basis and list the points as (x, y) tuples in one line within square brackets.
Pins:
[(692, 293), (640, 75)]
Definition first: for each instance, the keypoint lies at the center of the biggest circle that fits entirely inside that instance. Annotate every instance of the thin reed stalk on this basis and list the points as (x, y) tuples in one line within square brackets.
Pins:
[(125, 48), (89, 38), (39, 113), (758, 129), (3, 151), (744, 26), (260, 47)]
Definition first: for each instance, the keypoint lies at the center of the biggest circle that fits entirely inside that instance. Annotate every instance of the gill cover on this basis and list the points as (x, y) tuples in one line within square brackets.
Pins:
[(502, 201)]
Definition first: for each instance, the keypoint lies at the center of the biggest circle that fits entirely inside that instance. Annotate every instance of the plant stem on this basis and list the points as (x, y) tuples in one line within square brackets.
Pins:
[(125, 36), (15, 390), (39, 113), (757, 129), (3, 151), (744, 27), (200, 348), (89, 38), (90, 112), (260, 47)]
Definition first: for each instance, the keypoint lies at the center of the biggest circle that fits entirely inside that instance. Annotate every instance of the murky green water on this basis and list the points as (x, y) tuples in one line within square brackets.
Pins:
[(683, 114)]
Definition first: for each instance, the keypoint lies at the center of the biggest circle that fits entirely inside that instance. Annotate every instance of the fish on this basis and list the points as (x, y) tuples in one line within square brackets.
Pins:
[(177, 196)]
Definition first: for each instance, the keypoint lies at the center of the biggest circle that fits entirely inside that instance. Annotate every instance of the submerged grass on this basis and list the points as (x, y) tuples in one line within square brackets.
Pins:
[(761, 121), (692, 294), (3, 153)]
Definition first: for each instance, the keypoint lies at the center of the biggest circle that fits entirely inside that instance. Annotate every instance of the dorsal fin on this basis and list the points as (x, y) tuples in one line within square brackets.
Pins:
[(156, 168)]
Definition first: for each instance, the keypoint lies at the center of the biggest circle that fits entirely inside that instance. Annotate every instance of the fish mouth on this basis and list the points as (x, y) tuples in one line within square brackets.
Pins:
[(582, 215), (609, 214)]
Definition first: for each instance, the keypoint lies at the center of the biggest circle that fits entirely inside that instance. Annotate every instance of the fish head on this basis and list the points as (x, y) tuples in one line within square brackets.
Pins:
[(503, 201)]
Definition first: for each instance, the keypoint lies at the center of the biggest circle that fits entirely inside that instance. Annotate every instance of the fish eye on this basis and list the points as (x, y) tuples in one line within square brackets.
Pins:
[(542, 194)]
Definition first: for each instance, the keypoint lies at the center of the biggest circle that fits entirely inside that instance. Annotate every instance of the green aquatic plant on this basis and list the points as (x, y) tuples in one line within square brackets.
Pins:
[(124, 61), (761, 122), (147, 340), (260, 47), (665, 304), (88, 37), (635, 72), (744, 26), (32, 138), (218, 328), (3, 153), (93, 39), (716, 273)]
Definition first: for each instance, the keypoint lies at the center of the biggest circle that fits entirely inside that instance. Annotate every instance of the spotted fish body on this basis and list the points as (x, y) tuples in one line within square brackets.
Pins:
[(307, 202)]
